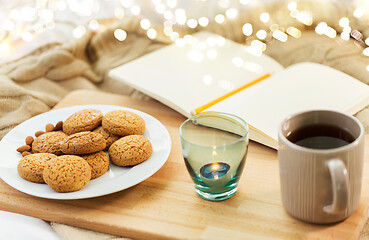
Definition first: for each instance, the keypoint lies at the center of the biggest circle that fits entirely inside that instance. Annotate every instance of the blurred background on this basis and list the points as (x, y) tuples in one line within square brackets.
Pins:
[(26, 25)]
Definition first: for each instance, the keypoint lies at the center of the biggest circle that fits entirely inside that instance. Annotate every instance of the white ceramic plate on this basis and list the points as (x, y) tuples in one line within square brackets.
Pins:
[(116, 179)]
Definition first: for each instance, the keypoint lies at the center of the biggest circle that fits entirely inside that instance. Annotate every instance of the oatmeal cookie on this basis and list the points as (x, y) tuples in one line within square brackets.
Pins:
[(109, 137), (123, 123), (99, 163), (130, 150), (84, 120), (49, 143), (83, 143), (67, 173), (32, 166)]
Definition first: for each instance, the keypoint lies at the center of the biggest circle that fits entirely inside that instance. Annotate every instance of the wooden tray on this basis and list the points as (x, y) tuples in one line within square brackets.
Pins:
[(165, 206)]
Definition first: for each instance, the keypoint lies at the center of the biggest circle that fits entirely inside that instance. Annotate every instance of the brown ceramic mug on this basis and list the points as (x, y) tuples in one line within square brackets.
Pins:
[(320, 158)]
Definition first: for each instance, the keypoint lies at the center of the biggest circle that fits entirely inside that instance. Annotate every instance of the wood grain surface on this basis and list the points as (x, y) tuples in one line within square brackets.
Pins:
[(165, 206)]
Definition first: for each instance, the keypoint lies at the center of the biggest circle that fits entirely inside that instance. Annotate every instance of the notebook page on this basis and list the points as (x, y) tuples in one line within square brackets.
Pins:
[(189, 76), (300, 87)]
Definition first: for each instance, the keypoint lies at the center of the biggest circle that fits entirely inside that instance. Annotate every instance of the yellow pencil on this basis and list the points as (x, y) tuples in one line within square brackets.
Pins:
[(202, 108)]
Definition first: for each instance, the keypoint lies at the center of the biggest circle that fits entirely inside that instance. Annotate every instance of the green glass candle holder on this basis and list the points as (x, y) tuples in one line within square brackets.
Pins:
[(214, 147)]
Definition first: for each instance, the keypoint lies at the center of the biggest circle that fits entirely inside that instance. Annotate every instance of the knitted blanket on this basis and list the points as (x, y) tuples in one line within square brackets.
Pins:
[(36, 82)]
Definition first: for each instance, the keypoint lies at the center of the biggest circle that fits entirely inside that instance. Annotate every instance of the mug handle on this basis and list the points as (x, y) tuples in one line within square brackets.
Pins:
[(339, 178)]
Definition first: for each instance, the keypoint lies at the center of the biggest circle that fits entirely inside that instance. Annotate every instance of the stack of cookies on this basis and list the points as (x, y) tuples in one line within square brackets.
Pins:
[(69, 155)]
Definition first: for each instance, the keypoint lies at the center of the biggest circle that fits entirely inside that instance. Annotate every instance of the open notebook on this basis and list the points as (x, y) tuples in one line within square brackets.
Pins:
[(194, 76)]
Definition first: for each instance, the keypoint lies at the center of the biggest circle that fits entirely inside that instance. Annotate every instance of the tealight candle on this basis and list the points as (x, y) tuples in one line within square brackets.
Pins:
[(215, 174)]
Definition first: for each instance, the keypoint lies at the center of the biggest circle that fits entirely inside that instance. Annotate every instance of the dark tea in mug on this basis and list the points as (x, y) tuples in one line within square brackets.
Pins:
[(321, 136)]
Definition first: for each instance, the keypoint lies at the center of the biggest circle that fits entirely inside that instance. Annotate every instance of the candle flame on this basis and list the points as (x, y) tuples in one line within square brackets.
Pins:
[(215, 167)]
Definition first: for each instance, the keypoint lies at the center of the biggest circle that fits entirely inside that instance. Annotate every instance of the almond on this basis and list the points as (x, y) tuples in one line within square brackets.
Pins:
[(49, 127), (25, 153), (29, 140), (58, 126), (39, 133), (24, 148)]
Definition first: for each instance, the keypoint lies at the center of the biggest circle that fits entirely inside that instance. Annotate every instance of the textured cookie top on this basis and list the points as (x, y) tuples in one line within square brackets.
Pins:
[(32, 166), (99, 163), (67, 173), (109, 137), (49, 143), (83, 143), (84, 120), (130, 150), (122, 123)]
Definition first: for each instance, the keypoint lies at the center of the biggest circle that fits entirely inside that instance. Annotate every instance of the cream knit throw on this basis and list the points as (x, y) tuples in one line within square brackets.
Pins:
[(36, 82)]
